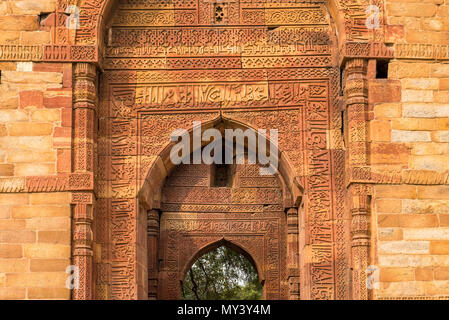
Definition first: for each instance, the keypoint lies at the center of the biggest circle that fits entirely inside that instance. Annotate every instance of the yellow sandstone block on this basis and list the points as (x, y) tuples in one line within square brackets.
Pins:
[(399, 70), (11, 251), (389, 206), (48, 223), (12, 293), (58, 198), (443, 124), (424, 274), (441, 273), (439, 247), (434, 162), (444, 84), (46, 251), (389, 234), (19, 23), (36, 279), (420, 83), (9, 236), (34, 169), (397, 274), (32, 211), (395, 191), (13, 198), (413, 124), (58, 237), (429, 148), (387, 110), (6, 170), (408, 220), (411, 9), (48, 293), (440, 70), (35, 38), (15, 156), (29, 129), (13, 265), (380, 130), (433, 192), (46, 115), (49, 265)]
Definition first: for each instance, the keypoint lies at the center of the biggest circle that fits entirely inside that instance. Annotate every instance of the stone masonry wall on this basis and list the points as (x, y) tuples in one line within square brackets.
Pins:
[(35, 140), (409, 133)]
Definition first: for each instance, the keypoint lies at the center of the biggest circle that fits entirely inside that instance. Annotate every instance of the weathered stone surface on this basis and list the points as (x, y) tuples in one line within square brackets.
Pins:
[(396, 130)]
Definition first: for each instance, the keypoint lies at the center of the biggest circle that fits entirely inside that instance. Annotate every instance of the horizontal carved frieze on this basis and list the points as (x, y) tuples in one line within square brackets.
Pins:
[(421, 51), (231, 15), (366, 50), (220, 36), (51, 53), (246, 50), (421, 177), (199, 95), (20, 53), (205, 75), (218, 62), (63, 182), (275, 46)]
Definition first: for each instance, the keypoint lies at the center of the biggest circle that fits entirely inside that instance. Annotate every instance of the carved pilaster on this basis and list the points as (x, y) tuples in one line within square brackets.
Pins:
[(84, 135), (82, 237), (153, 237), (85, 105), (360, 232), (293, 253), (356, 100)]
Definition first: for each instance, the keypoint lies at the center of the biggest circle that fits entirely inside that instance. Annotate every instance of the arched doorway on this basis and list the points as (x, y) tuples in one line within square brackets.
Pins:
[(248, 212), (222, 271), (253, 65)]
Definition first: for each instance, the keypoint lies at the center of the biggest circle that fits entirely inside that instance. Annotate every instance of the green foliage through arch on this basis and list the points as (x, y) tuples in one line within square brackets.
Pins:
[(222, 274)]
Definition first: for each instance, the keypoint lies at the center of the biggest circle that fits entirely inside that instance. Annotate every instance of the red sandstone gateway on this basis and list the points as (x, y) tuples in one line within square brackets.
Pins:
[(145, 68)]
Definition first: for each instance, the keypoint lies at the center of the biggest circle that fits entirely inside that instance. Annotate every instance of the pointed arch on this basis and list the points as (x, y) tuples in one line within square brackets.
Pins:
[(347, 18), (150, 191), (231, 244)]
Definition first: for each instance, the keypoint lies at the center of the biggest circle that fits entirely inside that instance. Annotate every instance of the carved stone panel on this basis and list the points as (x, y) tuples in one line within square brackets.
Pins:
[(261, 65)]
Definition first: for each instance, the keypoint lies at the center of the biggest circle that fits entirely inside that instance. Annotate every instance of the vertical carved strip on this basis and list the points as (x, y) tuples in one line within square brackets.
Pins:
[(356, 98), (153, 237), (293, 253), (319, 207), (82, 252), (360, 231), (84, 104)]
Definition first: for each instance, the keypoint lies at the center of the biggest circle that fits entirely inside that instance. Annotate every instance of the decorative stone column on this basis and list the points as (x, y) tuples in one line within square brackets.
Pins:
[(85, 106), (293, 253), (356, 100), (84, 135), (360, 232), (82, 237), (153, 243)]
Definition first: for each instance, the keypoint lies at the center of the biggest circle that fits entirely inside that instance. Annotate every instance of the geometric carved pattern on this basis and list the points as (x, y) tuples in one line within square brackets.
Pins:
[(184, 233), (263, 76)]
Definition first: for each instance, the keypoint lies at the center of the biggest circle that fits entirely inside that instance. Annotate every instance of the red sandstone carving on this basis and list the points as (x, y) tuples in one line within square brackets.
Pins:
[(261, 77)]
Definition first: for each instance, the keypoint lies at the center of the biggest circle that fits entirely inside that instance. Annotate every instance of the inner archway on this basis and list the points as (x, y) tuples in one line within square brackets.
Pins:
[(222, 274)]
